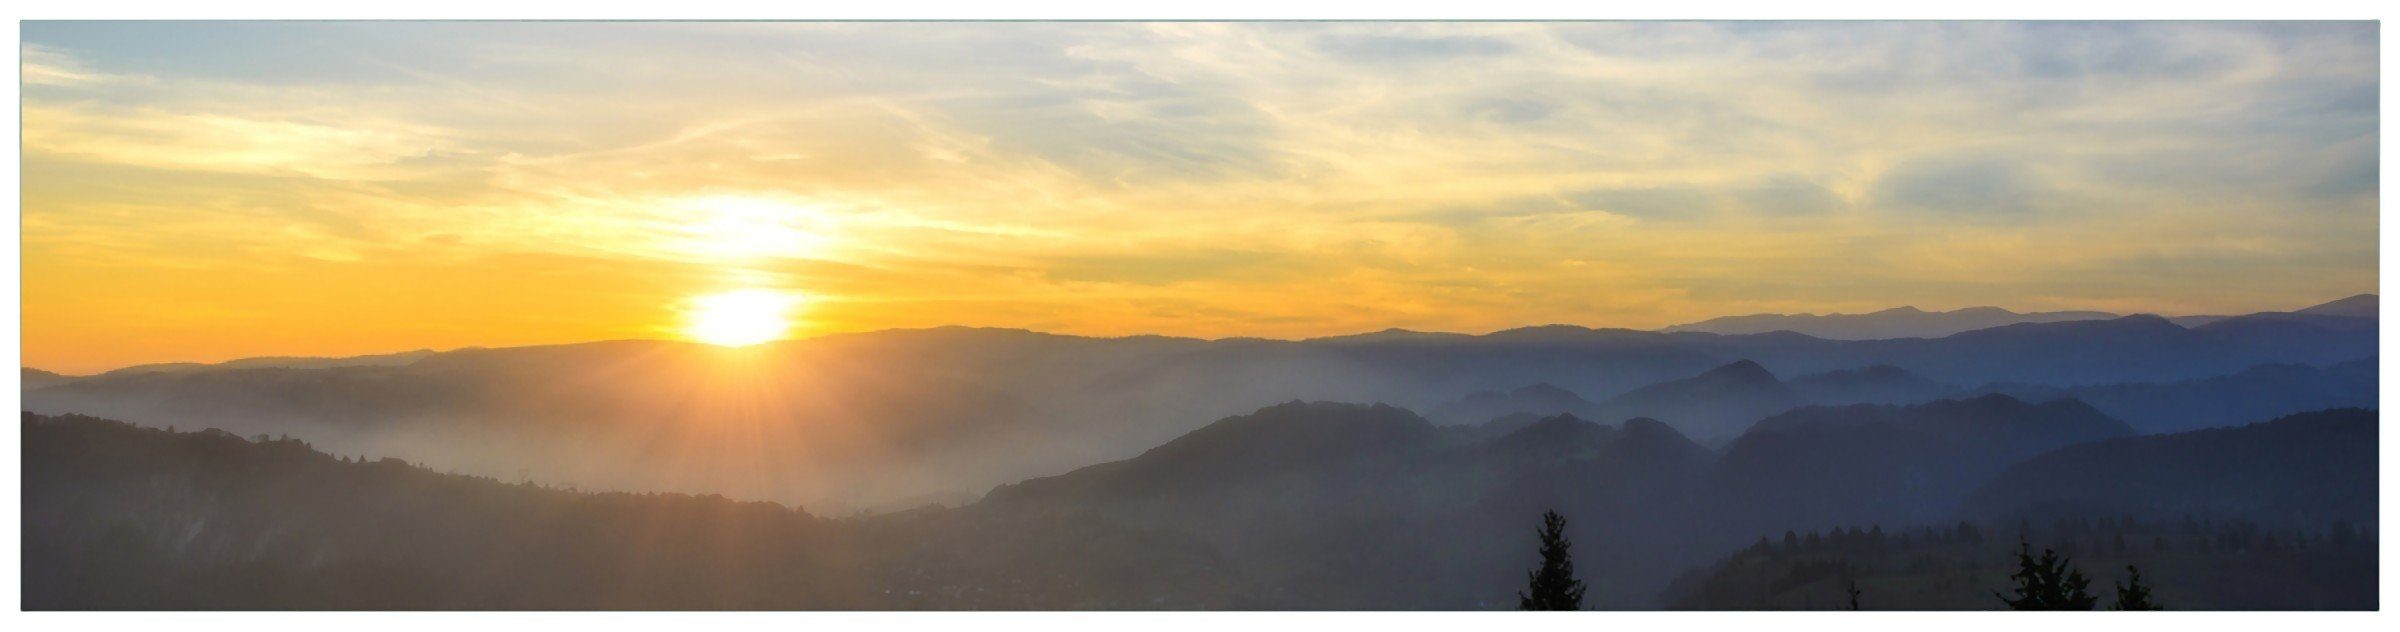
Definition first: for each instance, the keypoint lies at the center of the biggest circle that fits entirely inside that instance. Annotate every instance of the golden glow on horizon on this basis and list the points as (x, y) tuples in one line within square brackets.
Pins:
[(740, 318), (383, 187)]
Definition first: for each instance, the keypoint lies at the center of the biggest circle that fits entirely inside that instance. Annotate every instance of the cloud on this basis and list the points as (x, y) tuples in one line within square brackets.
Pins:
[(1473, 175), (1788, 194), (1961, 186), (1381, 47), (39, 65), (1649, 202)]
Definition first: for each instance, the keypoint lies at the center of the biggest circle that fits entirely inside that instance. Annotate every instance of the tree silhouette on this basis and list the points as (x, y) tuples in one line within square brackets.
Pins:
[(1853, 590), (1553, 586), (2132, 595), (2050, 583)]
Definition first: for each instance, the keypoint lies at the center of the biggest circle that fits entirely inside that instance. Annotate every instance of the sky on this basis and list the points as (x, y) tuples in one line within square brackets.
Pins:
[(207, 191)]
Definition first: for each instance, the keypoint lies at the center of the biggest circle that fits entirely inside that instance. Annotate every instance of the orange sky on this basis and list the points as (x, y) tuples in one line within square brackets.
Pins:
[(210, 191)]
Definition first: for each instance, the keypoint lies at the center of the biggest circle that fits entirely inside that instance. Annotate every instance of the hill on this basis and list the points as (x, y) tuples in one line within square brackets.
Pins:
[(1959, 566), (1313, 498), (2360, 306), (122, 517), (1879, 384), (1897, 322), (1541, 399), (875, 418), (2260, 392), (2300, 471), (1886, 464), (1716, 403)]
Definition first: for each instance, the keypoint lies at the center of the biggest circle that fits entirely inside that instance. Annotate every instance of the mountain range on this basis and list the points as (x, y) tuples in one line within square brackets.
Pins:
[(874, 418), (2304, 470), (1910, 322), (1301, 505)]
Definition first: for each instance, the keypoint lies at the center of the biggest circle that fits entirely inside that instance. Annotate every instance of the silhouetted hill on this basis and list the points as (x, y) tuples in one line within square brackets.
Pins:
[(1279, 444), (277, 362), (122, 517), (1886, 464), (1314, 497), (2193, 565), (1716, 403), (2261, 392), (2298, 471), (1897, 322), (1538, 399), (32, 378), (1555, 438), (872, 418), (2104, 351), (1879, 384), (2360, 306)]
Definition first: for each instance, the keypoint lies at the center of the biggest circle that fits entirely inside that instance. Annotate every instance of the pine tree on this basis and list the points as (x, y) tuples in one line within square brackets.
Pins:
[(2132, 595), (1553, 586), (2050, 583)]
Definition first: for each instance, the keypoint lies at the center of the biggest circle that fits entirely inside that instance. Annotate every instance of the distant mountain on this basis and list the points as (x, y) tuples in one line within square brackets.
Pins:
[(2261, 392), (1897, 322), (278, 362), (1869, 463), (1717, 403), (31, 378), (2103, 351), (2360, 306), (1910, 322), (2303, 470), (1879, 384), (1541, 399), (873, 418)]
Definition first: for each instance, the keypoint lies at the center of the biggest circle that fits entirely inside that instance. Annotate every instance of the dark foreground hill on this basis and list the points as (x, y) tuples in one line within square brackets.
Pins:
[(122, 517), (1350, 506), (2300, 471), (2276, 515), (1294, 506), (2189, 565)]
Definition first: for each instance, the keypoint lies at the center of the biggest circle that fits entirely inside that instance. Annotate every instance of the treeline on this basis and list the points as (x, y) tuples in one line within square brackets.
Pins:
[(123, 517), (2074, 536), (2193, 563)]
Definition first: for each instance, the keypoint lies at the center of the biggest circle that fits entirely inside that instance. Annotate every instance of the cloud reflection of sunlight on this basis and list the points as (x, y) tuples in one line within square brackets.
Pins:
[(742, 228)]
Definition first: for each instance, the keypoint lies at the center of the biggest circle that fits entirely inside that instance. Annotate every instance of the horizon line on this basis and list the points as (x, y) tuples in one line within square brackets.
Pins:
[(1669, 329)]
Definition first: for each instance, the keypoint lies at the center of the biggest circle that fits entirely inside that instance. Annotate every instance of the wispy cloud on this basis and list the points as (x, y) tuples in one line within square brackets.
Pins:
[(1457, 176)]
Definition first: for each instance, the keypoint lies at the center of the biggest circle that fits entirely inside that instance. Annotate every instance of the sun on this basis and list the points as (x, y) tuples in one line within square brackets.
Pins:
[(740, 318)]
